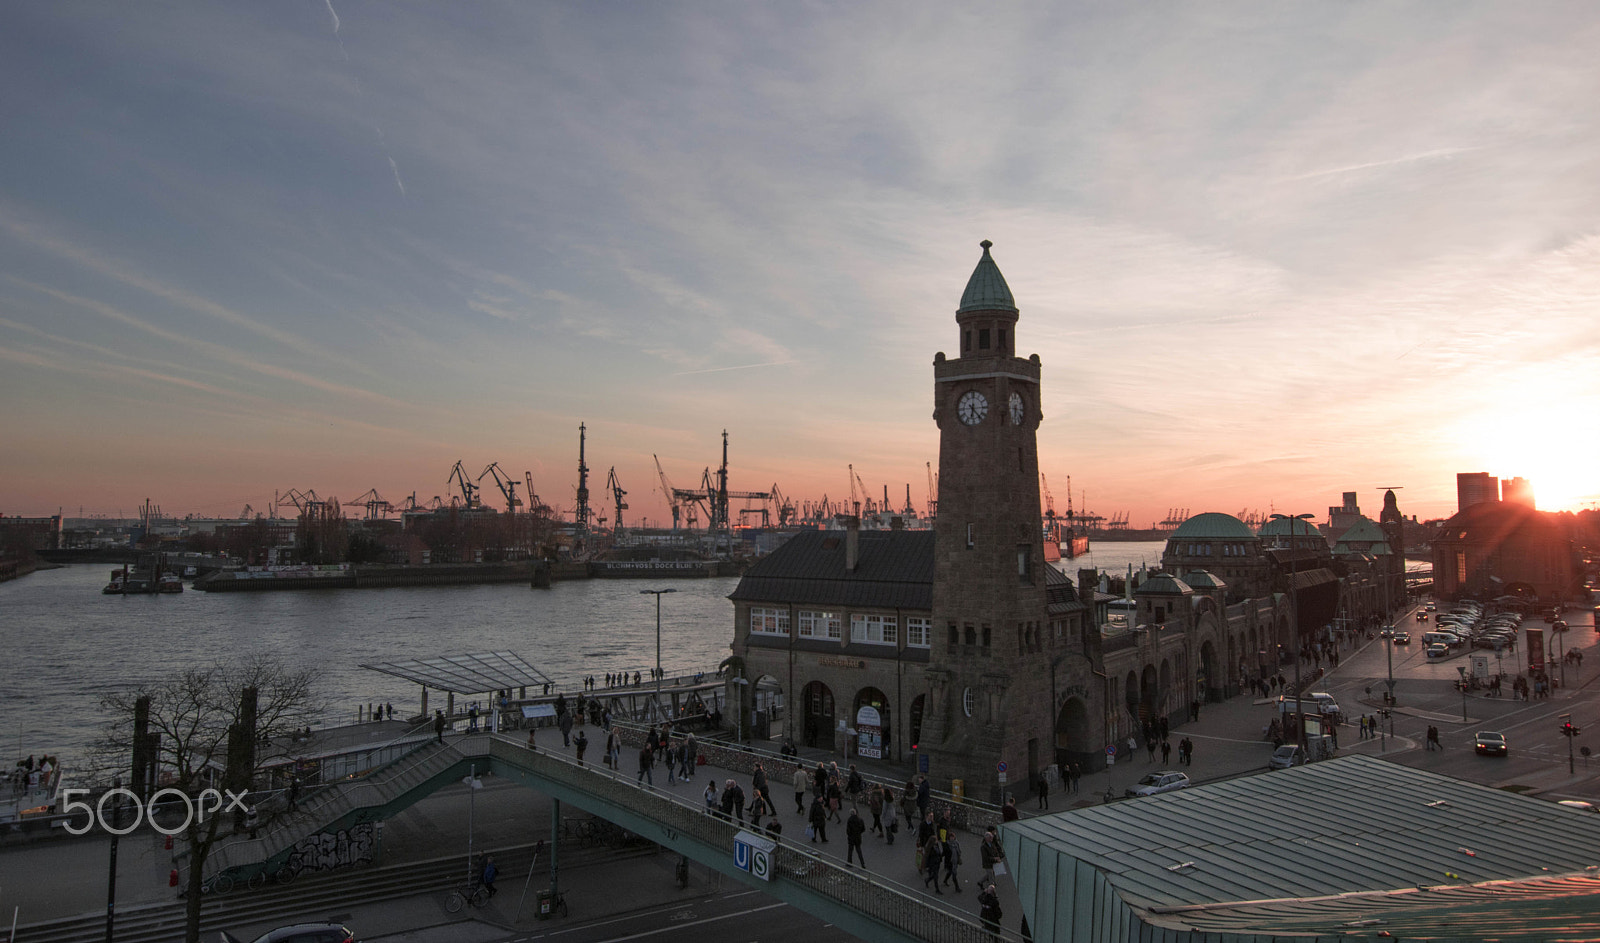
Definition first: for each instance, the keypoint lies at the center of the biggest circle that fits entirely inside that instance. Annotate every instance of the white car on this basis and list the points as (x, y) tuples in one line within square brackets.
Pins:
[(1164, 781)]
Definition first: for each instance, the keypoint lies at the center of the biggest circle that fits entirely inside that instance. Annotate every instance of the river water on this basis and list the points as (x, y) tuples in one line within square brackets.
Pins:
[(64, 644)]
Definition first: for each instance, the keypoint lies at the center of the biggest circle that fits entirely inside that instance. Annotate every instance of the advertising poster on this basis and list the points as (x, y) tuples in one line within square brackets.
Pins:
[(1536, 650), (869, 733)]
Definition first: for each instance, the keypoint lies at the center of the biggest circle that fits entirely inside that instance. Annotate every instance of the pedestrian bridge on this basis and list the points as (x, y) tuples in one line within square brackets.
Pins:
[(853, 899)]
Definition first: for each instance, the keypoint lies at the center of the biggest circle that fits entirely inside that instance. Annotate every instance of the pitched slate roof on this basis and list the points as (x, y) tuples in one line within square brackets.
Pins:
[(894, 571)]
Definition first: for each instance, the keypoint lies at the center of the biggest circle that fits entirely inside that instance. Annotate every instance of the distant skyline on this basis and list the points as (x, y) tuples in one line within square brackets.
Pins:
[(1267, 254)]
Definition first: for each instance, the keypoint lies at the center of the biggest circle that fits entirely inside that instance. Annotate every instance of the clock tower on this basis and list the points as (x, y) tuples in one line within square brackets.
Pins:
[(989, 697)]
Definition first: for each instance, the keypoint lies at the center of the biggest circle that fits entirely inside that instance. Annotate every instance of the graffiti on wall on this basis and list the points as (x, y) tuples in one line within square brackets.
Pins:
[(327, 851)]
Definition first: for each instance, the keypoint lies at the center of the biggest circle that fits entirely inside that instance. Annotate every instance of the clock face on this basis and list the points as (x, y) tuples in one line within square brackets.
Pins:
[(1018, 410), (972, 408)]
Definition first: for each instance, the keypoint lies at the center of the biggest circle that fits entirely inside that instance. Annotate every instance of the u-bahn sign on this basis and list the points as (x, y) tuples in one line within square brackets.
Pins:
[(753, 853)]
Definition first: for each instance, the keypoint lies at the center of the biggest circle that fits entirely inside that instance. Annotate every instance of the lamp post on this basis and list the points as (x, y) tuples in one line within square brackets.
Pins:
[(1462, 670), (1294, 606), (473, 785), (658, 594)]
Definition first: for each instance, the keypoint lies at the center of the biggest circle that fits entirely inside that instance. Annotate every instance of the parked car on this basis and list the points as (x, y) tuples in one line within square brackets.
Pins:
[(1489, 743), (1438, 650), (307, 933), (1164, 781), (1286, 756)]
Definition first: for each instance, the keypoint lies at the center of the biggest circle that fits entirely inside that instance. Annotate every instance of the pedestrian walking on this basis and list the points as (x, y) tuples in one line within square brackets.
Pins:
[(908, 804), (738, 800), (853, 830), (1166, 752), (582, 743), (990, 853), (932, 858), (802, 782), (835, 800), (1044, 791), (710, 798), (1008, 812), (989, 910), (758, 807), (818, 817), (489, 873), (613, 749), (647, 761), (294, 794), (952, 859), (924, 795), (1150, 745), (438, 725), (875, 806), (853, 783), (1077, 774), (725, 804)]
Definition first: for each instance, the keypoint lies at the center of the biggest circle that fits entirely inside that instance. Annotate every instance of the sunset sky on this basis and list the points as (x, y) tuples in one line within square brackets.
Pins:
[(1268, 253)]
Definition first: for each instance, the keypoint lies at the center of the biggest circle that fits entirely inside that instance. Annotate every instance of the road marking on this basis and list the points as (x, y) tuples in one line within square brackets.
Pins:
[(677, 927)]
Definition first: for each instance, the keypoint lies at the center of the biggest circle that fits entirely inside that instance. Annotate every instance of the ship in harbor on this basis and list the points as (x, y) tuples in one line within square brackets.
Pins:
[(144, 578)]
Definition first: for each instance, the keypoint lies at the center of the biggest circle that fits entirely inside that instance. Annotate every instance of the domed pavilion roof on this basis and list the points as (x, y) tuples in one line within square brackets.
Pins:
[(1213, 525), (1162, 584)]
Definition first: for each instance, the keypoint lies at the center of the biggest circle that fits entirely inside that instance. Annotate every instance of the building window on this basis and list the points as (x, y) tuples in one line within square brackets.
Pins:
[(1002, 339), (955, 637), (983, 338), (966, 340), (874, 629), (919, 631), (821, 625), (972, 635), (968, 701), (971, 538), (769, 621), (988, 635), (1025, 563)]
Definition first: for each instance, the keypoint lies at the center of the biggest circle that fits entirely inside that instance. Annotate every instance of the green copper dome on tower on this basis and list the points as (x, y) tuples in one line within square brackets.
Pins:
[(986, 289)]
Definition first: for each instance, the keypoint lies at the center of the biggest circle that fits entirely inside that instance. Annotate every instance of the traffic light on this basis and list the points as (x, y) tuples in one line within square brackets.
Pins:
[(1569, 729)]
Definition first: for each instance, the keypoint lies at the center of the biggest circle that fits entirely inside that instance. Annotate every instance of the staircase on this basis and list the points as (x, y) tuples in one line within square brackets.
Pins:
[(372, 798)]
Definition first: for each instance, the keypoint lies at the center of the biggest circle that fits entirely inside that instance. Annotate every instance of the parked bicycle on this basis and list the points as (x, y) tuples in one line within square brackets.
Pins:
[(467, 892)]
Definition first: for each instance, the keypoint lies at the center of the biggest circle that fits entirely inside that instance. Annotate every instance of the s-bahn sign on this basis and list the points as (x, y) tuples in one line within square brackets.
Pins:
[(753, 853)]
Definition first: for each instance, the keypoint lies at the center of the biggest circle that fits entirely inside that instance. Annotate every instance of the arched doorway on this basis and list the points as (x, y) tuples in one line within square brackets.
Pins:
[(766, 711), (870, 718), (817, 723), (1075, 742), (1130, 697), (1210, 680), (1149, 696)]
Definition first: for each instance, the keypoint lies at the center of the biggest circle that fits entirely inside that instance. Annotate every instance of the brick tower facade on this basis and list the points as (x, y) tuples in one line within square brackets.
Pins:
[(989, 697)]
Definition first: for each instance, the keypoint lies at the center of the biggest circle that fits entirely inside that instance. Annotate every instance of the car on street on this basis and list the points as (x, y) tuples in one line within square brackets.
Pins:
[(1163, 781), (1286, 756), (1433, 607), (1401, 638), (1438, 650), (1422, 615), (1489, 743), (304, 933)]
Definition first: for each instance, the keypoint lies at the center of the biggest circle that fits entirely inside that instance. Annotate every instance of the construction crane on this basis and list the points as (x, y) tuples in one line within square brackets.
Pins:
[(535, 505), (785, 507), (506, 484), (908, 512), (933, 492), (617, 495), (580, 511), (300, 499), (469, 490), (1050, 502), (245, 514), (667, 492), (377, 508)]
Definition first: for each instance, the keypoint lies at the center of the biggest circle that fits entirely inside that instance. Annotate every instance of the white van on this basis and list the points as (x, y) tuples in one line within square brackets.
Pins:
[(1320, 702), (1441, 638)]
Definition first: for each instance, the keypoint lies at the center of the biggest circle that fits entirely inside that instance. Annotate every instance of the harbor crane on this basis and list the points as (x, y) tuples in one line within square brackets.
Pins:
[(506, 484), (536, 506), (617, 495), (933, 492), (377, 507), (300, 499), (1050, 502), (469, 490), (580, 510), (668, 492)]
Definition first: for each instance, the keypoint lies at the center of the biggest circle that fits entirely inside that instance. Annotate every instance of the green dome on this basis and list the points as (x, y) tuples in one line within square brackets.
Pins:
[(1161, 584), (1203, 580), (1280, 527), (986, 289), (1212, 526)]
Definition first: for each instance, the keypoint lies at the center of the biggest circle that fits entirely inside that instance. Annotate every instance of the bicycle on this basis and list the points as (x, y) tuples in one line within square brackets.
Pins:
[(467, 892)]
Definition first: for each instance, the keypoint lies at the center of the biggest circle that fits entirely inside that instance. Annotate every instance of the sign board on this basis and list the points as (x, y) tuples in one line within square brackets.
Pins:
[(752, 853), (1002, 779), (1535, 650), (1001, 766), (869, 733), (531, 711), (922, 762), (1480, 666)]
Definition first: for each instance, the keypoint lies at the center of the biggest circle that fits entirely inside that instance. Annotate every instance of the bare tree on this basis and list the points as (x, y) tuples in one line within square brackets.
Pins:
[(204, 736)]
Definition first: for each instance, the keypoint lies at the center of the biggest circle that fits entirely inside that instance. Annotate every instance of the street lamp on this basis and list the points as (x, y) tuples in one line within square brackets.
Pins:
[(1462, 670), (1294, 606), (658, 594), (473, 785)]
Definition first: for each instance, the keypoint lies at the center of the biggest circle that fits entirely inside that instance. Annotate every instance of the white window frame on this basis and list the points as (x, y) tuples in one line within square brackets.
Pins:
[(874, 629), (919, 632), (816, 623), (768, 621)]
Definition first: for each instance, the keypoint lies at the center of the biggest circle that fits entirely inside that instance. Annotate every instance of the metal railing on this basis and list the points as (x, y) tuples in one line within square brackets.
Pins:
[(886, 902)]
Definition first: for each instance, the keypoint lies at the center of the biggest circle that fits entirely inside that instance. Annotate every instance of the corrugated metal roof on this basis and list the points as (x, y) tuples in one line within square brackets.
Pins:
[(894, 570), (1259, 846)]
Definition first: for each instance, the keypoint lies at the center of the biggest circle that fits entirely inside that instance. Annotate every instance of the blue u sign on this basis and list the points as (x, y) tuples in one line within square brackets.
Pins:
[(753, 854)]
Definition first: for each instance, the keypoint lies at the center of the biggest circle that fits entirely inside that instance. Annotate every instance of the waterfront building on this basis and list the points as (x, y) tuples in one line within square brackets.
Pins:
[(1476, 488), (1504, 548)]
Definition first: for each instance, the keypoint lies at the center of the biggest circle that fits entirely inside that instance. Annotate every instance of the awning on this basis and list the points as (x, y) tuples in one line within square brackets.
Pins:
[(467, 674)]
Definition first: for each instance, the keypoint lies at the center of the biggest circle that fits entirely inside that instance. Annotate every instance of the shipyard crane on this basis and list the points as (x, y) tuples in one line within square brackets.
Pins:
[(375, 505), (909, 512), (617, 494), (536, 505), (786, 509), (469, 490), (300, 499), (506, 484), (1050, 501), (245, 514), (933, 492), (667, 491), (580, 510)]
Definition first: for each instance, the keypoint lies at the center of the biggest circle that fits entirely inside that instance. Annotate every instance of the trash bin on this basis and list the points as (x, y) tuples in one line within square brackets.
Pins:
[(546, 902), (958, 789)]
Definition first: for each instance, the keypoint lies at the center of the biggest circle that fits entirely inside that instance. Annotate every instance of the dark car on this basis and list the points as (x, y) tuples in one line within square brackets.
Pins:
[(1491, 744), (308, 933)]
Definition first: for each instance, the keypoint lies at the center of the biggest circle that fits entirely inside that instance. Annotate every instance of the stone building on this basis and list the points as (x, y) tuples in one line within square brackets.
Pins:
[(1498, 548)]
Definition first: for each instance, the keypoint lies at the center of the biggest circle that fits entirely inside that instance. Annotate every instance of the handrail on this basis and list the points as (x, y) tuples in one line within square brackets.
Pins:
[(884, 900)]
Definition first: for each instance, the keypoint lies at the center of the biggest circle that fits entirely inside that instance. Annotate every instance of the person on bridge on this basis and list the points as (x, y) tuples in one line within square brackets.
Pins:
[(952, 858), (802, 781), (875, 806), (924, 795), (989, 910), (758, 808), (438, 725), (489, 874), (647, 761), (854, 828), (582, 744), (819, 821), (932, 857)]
